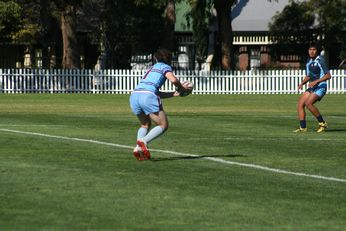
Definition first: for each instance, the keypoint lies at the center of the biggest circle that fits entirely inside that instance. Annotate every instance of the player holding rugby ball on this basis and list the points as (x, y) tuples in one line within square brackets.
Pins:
[(145, 101)]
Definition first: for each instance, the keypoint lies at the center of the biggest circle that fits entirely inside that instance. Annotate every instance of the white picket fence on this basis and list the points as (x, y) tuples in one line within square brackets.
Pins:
[(124, 81)]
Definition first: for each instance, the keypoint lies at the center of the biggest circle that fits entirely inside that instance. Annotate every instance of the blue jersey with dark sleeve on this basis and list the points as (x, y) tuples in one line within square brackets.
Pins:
[(154, 78), (316, 69)]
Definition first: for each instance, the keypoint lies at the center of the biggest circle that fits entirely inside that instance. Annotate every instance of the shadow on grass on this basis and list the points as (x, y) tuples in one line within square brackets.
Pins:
[(336, 130), (193, 157)]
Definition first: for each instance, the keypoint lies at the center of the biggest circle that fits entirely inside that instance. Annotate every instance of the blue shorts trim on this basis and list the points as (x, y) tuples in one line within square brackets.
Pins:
[(320, 91), (145, 102)]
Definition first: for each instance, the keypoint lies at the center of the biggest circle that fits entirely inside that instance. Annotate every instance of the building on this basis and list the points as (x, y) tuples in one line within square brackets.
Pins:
[(250, 20), (251, 41)]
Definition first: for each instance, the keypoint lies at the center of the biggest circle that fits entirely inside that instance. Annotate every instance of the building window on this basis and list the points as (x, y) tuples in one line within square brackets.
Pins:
[(255, 58)]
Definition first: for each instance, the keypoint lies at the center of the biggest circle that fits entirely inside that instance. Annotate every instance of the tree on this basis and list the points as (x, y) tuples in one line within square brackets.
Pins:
[(117, 29), (293, 29), (47, 25), (317, 20), (170, 19), (10, 20), (34, 27), (46, 31), (223, 9), (90, 19), (224, 21), (301, 20), (68, 14), (331, 21), (199, 17), (136, 26)]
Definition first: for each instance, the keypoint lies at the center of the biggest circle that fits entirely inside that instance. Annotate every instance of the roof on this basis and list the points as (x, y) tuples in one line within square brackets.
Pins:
[(255, 15), (248, 15)]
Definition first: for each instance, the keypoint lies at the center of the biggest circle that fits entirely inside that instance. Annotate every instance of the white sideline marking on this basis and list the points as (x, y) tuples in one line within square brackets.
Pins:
[(285, 138), (271, 139), (264, 168)]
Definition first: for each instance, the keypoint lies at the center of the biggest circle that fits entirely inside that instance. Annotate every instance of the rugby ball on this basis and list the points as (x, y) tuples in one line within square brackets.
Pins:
[(189, 86)]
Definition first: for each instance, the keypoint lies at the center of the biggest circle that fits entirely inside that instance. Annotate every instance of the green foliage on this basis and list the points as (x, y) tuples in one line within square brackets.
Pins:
[(301, 22), (89, 18), (159, 4), (301, 19), (40, 23), (118, 27), (61, 4), (199, 16), (332, 18), (292, 29), (131, 28), (30, 25), (28, 34), (10, 19), (149, 28)]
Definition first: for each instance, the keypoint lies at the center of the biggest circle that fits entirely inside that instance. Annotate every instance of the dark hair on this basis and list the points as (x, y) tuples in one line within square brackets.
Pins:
[(315, 45), (164, 56)]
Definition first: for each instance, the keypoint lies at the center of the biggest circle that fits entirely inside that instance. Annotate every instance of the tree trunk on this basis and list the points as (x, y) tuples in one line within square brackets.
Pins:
[(71, 59), (170, 18), (44, 37), (223, 9), (200, 30)]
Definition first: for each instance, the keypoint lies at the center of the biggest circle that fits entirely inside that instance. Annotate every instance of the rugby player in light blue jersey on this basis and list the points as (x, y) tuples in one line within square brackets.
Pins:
[(317, 75), (145, 102)]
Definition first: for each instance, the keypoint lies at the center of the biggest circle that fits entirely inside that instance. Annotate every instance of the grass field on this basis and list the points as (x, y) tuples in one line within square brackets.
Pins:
[(227, 162)]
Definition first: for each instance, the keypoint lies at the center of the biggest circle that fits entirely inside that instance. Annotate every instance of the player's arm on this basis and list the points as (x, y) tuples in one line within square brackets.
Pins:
[(326, 77), (175, 81), (169, 75), (168, 94), (304, 81)]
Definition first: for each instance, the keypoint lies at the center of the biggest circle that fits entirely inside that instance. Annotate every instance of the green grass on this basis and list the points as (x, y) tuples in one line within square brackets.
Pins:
[(48, 183)]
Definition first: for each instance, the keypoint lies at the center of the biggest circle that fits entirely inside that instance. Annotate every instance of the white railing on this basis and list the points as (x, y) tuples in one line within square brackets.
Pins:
[(124, 81), (252, 40)]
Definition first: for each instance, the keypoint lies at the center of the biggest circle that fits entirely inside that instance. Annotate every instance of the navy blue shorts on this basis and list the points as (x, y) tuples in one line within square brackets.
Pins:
[(320, 91)]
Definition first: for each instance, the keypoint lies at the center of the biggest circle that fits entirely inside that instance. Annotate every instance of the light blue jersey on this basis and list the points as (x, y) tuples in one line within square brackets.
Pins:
[(154, 78), (145, 98), (316, 69)]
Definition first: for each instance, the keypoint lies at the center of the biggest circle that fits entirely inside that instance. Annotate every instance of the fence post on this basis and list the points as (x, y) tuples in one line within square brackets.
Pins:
[(1, 82)]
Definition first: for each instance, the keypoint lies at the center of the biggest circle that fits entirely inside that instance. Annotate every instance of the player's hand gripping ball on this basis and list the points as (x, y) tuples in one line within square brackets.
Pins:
[(188, 88)]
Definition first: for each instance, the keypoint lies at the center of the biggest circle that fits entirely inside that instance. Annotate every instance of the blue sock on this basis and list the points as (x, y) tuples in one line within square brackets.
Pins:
[(154, 133), (302, 123), (141, 132), (320, 119)]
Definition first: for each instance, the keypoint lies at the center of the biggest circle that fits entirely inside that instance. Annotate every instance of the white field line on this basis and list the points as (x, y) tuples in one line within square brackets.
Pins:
[(284, 138), (254, 166), (270, 138)]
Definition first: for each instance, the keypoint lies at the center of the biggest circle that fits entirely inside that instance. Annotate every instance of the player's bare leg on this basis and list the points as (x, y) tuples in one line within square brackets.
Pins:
[(301, 105), (309, 103), (301, 112), (311, 100), (160, 119)]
